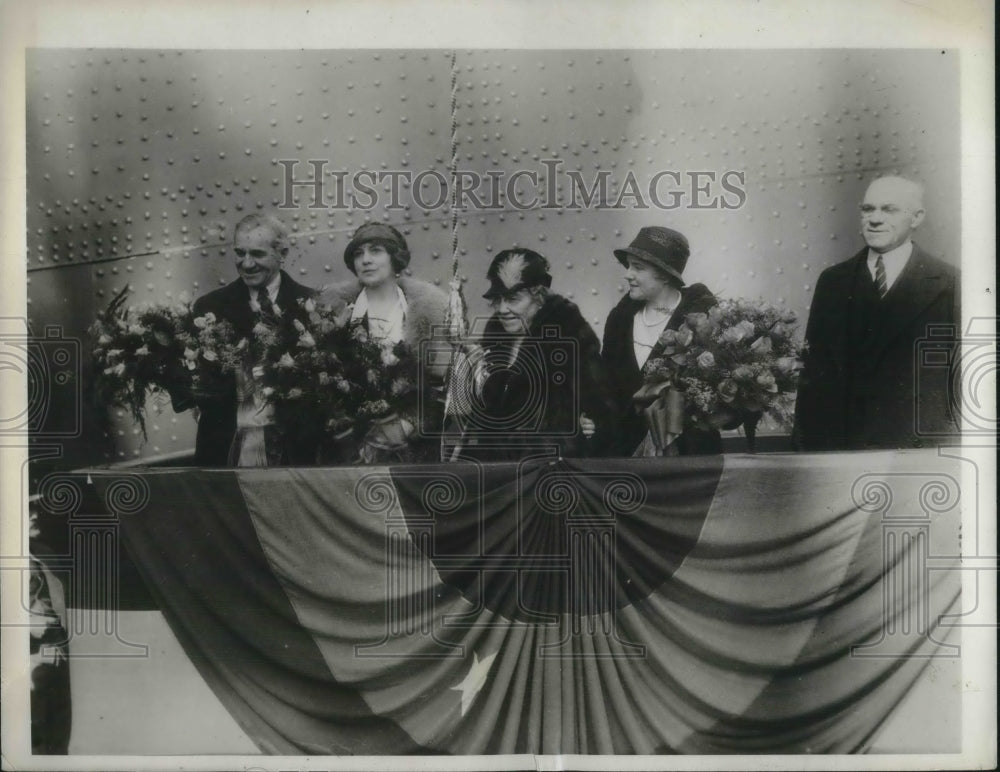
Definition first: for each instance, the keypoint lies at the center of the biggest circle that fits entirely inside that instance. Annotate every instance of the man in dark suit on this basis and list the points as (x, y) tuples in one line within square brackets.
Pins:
[(232, 428), (874, 320)]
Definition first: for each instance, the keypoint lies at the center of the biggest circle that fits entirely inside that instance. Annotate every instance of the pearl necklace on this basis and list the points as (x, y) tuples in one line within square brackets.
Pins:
[(656, 322)]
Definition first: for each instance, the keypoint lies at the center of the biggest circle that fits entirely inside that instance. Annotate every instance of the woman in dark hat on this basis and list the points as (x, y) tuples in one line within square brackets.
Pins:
[(540, 381), (393, 308), (657, 299)]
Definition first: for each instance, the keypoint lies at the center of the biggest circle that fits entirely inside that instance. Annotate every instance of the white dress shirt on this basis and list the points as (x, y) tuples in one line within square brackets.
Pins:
[(389, 330), (272, 292), (253, 413), (894, 261)]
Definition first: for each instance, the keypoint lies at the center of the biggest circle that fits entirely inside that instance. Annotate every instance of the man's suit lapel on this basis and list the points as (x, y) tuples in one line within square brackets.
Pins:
[(240, 314), (916, 288), (288, 295)]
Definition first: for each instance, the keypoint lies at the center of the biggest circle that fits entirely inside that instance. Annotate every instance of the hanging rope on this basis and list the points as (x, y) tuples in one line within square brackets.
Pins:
[(456, 399), (453, 167), (457, 329)]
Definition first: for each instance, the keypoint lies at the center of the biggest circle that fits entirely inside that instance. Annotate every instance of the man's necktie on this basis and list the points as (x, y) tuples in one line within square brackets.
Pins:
[(266, 306), (880, 281)]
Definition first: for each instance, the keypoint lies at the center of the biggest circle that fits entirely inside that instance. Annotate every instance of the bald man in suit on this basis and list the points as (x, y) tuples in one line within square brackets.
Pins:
[(864, 384)]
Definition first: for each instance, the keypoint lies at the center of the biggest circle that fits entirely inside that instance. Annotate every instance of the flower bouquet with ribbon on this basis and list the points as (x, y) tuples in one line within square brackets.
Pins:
[(663, 407), (332, 379), (726, 367)]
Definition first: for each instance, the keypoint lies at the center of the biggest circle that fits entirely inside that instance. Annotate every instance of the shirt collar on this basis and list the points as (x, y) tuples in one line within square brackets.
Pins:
[(897, 256), (272, 288), (894, 261)]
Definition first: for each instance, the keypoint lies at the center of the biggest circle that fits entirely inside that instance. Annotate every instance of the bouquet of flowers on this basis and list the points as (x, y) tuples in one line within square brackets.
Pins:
[(212, 353), (329, 375), (159, 349), (730, 365), (137, 351)]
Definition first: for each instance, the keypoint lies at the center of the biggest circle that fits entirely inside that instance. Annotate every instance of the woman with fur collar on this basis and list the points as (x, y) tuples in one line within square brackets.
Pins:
[(539, 378), (394, 308)]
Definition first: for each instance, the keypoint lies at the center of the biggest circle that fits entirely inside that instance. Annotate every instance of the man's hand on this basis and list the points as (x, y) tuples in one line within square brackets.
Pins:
[(587, 426)]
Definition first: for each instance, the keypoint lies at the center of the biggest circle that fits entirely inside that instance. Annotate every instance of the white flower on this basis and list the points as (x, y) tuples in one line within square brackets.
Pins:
[(389, 357), (136, 329), (267, 391), (286, 360), (114, 353), (324, 378), (787, 364), (298, 325), (210, 317), (200, 322), (734, 334), (142, 351), (295, 393), (309, 305), (257, 371), (706, 359), (119, 369), (190, 354), (104, 340), (210, 355), (307, 341)]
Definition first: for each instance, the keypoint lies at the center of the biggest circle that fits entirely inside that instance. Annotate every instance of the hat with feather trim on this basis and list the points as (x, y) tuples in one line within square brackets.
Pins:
[(516, 269)]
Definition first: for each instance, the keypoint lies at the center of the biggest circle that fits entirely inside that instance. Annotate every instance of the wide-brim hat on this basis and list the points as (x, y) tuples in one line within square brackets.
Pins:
[(515, 269), (663, 248), (383, 234)]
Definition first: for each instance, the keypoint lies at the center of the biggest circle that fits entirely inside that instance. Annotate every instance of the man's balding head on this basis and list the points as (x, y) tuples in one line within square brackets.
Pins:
[(892, 209)]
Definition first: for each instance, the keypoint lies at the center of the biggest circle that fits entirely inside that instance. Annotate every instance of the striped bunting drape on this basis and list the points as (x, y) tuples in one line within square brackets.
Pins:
[(738, 604)]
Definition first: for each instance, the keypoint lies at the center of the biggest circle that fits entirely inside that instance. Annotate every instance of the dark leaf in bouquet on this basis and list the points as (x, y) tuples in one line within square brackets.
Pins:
[(114, 308), (728, 390)]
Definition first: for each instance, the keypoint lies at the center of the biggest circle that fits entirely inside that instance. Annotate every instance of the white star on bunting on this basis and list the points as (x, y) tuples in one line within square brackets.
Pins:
[(473, 682)]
